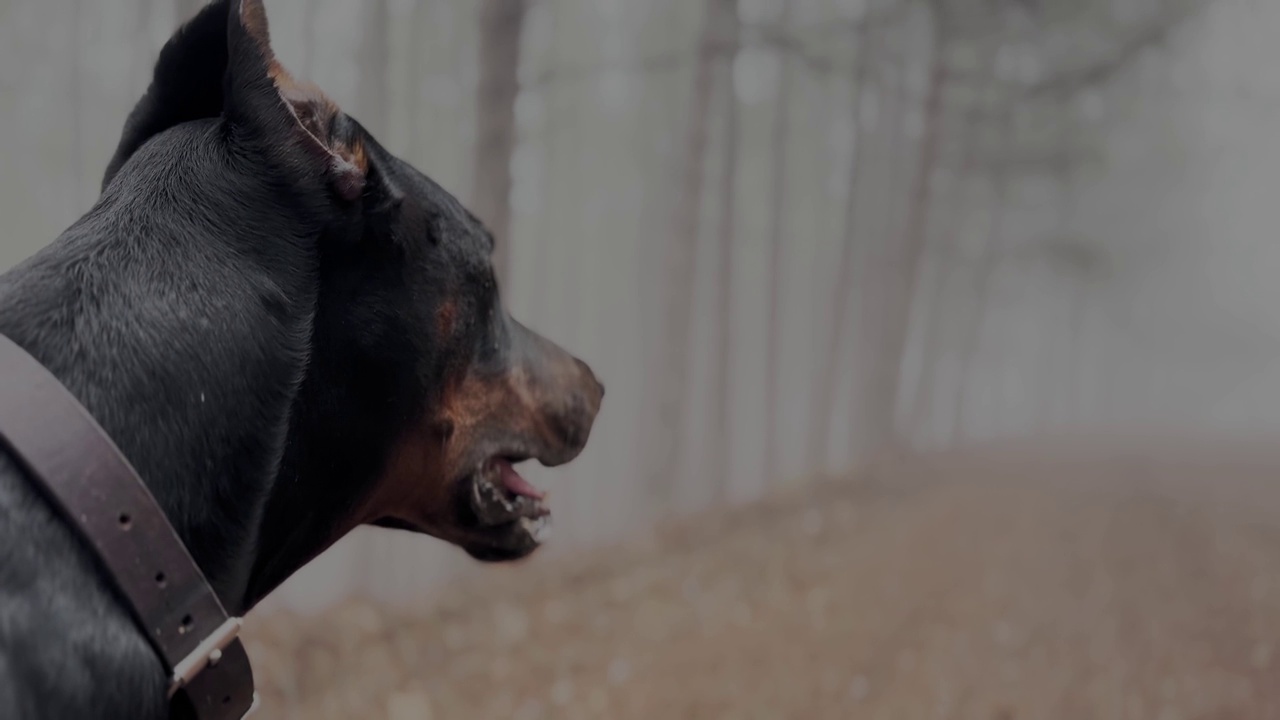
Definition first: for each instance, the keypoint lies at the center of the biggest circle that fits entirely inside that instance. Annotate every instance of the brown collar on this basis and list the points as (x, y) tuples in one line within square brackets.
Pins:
[(85, 475)]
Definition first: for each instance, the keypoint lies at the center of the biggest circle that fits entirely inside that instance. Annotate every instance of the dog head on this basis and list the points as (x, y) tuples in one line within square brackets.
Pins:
[(493, 393), (421, 393)]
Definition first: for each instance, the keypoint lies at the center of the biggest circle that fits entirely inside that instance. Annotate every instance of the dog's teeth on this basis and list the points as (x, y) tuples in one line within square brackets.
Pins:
[(489, 503), (538, 528)]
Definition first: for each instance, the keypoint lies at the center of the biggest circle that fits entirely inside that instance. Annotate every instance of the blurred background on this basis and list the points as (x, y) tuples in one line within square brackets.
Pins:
[(941, 338)]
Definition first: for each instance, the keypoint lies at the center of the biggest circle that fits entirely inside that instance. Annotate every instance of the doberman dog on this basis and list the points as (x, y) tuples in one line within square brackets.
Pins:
[(289, 332)]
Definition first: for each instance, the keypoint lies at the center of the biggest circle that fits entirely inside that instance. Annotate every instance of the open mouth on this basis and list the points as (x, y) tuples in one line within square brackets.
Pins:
[(510, 513)]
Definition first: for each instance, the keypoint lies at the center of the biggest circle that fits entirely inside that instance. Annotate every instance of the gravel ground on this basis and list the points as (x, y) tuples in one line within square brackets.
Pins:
[(1001, 584)]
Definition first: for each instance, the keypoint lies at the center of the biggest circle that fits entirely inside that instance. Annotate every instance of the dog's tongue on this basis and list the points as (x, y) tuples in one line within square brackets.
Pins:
[(517, 485)]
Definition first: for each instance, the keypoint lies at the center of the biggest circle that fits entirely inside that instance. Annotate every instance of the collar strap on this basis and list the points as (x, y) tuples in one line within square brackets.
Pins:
[(85, 475)]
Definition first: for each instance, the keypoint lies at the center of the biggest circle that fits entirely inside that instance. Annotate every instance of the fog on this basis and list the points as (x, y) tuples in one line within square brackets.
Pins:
[(793, 237)]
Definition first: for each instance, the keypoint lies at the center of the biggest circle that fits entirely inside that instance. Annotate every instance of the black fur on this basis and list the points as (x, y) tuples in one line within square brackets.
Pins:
[(252, 342)]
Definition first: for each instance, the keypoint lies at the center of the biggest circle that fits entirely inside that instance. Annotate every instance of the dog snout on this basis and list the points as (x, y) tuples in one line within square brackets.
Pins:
[(570, 414), (592, 389), (562, 392)]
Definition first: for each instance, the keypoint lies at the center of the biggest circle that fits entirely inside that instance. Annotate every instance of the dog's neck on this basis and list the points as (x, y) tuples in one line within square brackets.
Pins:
[(360, 392), (188, 353)]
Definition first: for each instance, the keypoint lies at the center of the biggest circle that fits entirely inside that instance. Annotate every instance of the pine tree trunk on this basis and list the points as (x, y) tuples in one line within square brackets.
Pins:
[(894, 314), (79, 174), (373, 101), (720, 450), (307, 65), (501, 25), (978, 115), (777, 226), (664, 422), (826, 381), (991, 252)]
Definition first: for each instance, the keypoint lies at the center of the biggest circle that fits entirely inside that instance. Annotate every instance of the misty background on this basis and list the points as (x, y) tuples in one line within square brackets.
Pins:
[(895, 301), (792, 237)]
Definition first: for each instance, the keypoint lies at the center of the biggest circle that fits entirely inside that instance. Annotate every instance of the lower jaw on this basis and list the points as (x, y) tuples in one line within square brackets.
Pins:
[(489, 524), (488, 545), (487, 554), (478, 542), (501, 527)]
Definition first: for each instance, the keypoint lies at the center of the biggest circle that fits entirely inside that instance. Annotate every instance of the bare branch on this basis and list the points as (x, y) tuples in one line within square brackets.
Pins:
[(1102, 70), (793, 43)]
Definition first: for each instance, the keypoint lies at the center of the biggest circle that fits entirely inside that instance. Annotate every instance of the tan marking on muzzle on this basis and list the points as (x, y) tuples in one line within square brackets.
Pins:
[(546, 412)]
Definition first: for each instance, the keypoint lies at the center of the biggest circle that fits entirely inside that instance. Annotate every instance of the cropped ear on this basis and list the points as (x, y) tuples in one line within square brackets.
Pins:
[(186, 84), (266, 106), (220, 64)]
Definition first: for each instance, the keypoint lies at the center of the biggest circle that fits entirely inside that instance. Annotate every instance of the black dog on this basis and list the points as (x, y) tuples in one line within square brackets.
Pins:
[(289, 332)]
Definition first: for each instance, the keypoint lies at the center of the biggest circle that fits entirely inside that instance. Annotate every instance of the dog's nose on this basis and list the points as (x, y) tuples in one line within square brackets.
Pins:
[(565, 394), (570, 420), (595, 388)]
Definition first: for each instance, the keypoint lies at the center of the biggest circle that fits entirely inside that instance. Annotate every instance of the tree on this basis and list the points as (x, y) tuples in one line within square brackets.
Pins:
[(373, 101), (79, 174), (724, 265), (885, 373), (665, 421), (306, 67), (501, 25), (777, 224), (892, 207), (992, 249), (823, 400), (971, 138)]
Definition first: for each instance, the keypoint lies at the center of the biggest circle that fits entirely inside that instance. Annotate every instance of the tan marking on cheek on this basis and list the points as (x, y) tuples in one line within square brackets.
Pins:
[(414, 485), (480, 408), (446, 318)]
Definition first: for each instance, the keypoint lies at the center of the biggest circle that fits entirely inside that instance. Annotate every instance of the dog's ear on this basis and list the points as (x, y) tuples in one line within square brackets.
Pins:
[(221, 64), (186, 84), (266, 106)]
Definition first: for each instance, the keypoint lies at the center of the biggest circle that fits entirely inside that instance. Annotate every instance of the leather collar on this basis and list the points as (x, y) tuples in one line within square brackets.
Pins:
[(83, 473)]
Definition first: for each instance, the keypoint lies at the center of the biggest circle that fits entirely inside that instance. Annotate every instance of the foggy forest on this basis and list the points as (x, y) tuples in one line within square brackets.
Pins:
[(795, 238)]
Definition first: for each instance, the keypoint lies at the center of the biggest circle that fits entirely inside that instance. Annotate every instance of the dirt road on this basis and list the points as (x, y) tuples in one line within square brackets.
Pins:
[(1003, 584)]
